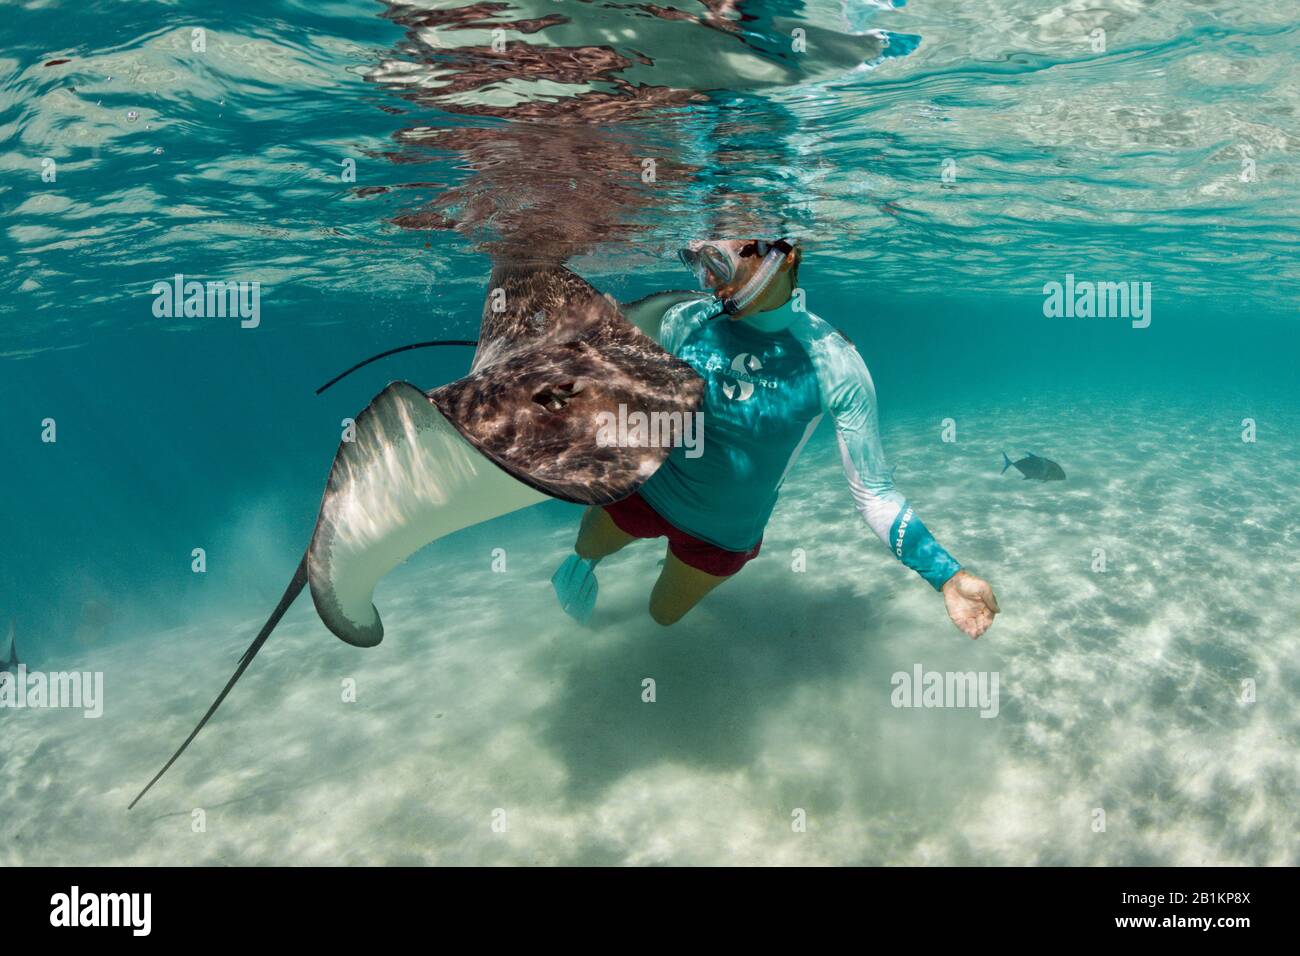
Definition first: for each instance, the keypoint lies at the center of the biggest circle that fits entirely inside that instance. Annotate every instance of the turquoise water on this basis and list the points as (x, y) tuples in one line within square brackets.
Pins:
[(939, 174)]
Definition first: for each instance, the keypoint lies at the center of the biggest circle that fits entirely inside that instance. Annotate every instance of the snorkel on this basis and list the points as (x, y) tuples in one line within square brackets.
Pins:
[(715, 268), (762, 278)]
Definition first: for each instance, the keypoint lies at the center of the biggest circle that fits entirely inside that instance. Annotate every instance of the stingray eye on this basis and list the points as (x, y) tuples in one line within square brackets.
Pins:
[(554, 397)]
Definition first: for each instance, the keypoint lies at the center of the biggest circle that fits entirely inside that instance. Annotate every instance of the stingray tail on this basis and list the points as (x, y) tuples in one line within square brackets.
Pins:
[(400, 348), (290, 594), (1006, 463)]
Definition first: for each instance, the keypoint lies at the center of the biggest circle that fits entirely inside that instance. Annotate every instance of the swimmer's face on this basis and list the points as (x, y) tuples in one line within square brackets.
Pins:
[(723, 266)]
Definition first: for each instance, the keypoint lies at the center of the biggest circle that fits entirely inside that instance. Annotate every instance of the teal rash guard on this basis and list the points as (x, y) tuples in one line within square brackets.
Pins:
[(766, 390)]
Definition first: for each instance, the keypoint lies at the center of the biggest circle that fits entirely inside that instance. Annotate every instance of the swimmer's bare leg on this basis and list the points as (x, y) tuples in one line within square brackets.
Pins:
[(680, 587), (599, 537)]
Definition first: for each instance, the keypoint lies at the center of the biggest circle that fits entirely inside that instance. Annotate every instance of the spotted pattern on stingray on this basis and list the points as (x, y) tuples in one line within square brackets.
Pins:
[(556, 356)]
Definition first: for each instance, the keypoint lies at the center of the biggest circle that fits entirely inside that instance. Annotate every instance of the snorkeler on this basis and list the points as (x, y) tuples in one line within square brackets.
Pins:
[(771, 372)]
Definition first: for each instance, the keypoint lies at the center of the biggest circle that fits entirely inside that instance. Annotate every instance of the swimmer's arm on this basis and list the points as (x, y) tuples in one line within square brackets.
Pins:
[(851, 398)]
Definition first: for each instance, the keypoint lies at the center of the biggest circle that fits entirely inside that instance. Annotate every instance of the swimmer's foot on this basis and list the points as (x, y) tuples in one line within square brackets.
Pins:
[(575, 587)]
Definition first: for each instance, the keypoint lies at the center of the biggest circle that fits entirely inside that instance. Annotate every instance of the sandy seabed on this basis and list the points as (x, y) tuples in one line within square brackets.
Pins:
[(1120, 691)]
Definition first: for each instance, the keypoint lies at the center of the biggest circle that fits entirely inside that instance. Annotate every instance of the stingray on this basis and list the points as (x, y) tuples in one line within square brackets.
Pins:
[(519, 428)]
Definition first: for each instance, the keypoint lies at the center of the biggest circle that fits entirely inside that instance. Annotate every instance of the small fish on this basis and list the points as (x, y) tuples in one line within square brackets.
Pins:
[(1039, 469), (12, 663)]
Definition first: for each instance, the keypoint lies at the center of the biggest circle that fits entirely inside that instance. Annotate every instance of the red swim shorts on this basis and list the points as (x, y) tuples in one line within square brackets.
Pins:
[(634, 516)]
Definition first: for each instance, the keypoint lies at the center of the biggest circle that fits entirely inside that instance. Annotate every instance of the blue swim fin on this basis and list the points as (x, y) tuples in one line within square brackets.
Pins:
[(1006, 463), (575, 587)]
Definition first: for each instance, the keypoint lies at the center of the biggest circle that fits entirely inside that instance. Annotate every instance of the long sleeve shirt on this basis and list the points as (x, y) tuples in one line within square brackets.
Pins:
[(765, 394)]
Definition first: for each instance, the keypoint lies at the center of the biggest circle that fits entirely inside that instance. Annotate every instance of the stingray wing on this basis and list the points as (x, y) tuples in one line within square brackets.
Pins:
[(405, 479), (647, 313)]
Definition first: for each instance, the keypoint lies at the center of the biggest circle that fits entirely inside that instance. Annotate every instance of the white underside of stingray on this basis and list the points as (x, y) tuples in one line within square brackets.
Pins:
[(406, 479)]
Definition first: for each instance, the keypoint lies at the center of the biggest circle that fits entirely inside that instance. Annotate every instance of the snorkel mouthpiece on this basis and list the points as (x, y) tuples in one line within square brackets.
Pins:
[(761, 279)]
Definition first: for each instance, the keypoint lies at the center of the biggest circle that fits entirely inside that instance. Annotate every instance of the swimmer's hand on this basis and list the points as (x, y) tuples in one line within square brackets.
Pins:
[(971, 603)]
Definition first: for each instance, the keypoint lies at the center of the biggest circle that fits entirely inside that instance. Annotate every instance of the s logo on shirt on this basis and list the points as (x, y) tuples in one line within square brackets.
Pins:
[(744, 369)]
